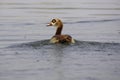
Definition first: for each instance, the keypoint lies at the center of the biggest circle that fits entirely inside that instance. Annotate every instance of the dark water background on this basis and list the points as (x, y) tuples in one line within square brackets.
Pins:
[(25, 51)]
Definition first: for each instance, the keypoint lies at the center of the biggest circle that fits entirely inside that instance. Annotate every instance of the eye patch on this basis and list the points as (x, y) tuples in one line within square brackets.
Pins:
[(53, 20)]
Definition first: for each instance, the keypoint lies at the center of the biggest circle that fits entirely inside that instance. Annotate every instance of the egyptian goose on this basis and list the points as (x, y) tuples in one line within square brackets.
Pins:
[(58, 37)]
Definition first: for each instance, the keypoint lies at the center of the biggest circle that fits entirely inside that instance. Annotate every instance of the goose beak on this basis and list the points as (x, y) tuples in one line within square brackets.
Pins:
[(49, 24)]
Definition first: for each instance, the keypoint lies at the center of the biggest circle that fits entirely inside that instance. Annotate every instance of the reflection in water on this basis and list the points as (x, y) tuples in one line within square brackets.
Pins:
[(60, 62), (59, 55)]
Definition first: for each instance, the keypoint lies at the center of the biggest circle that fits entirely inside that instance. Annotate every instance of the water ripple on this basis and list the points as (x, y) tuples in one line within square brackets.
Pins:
[(93, 21)]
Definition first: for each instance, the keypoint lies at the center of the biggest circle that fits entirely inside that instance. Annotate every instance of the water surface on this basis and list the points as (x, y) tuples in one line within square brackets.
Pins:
[(25, 51)]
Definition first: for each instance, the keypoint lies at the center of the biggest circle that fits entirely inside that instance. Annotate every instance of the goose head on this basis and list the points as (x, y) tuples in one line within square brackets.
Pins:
[(56, 23)]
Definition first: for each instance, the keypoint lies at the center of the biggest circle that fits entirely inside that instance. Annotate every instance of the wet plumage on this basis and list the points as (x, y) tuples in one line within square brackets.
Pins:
[(58, 37)]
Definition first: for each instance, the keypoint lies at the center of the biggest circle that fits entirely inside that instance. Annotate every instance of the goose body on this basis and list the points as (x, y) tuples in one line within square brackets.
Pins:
[(58, 37)]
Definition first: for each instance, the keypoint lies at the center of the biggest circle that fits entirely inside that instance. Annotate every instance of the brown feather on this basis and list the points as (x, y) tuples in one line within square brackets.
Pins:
[(58, 38)]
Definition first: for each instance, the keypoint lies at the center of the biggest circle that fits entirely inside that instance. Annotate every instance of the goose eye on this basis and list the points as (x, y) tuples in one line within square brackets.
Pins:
[(53, 20)]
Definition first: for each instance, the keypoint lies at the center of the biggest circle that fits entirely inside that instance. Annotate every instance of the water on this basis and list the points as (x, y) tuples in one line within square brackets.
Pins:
[(25, 51)]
